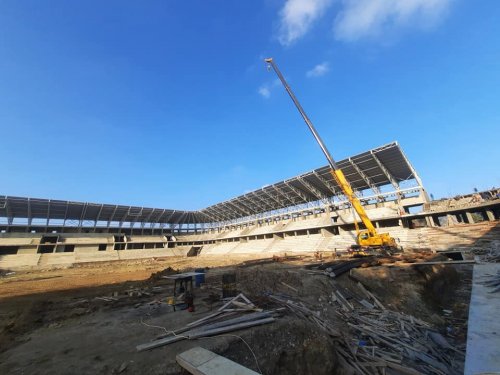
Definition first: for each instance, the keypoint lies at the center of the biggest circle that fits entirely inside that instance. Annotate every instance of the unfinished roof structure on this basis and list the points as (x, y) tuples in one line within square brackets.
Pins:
[(374, 175)]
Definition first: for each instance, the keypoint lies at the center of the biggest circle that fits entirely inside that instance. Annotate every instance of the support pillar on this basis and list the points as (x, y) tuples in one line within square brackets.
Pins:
[(452, 219), (490, 215), (430, 221), (469, 217)]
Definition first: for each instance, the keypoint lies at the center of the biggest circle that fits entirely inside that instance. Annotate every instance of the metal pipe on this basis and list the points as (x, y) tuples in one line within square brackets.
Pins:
[(332, 162)]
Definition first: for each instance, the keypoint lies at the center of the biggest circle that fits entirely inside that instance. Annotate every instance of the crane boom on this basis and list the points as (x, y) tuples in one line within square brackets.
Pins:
[(369, 237)]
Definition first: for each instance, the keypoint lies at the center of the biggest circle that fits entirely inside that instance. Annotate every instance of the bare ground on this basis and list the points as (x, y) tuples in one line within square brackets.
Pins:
[(53, 323)]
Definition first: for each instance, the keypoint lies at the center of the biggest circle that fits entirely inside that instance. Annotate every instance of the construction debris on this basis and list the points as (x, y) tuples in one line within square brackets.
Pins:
[(200, 361), (371, 338), (213, 325)]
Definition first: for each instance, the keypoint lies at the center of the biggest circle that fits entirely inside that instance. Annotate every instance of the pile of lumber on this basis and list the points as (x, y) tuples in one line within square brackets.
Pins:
[(339, 267), (371, 339), (237, 313)]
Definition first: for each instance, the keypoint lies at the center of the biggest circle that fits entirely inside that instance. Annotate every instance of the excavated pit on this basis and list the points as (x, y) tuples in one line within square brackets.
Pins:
[(42, 333)]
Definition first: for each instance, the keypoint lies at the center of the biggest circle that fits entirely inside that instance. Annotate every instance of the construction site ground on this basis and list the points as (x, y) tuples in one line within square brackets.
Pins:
[(90, 318)]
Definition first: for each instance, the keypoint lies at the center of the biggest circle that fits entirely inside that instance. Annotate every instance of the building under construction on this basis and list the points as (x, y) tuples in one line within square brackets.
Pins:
[(286, 251), (306, 213)]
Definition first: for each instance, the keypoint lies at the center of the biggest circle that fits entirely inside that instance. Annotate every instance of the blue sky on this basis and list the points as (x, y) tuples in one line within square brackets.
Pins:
[(168, 103)]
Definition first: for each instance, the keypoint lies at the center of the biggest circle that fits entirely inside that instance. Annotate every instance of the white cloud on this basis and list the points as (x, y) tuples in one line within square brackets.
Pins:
[(356, 19), (319, 70), (264, 91), (297, 16), (365, 18)]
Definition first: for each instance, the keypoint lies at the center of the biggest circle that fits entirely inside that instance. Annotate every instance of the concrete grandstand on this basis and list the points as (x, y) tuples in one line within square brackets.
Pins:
[(306, 213)]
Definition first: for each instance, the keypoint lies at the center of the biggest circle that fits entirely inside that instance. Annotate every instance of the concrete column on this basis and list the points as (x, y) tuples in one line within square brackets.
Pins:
[(469, 217), (452, 219), (490, 215), (430, 221), (325, 232)]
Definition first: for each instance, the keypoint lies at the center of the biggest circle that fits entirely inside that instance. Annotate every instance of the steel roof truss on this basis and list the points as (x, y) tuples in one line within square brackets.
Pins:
[(249, 204), (313, 190), (391, 178), (297, 191), (368, 181), (285, 195), (30, 217), (328, 185), (275, 199), (146, 220), (266, 202), (97, 217), (112, 216), (238, 207)]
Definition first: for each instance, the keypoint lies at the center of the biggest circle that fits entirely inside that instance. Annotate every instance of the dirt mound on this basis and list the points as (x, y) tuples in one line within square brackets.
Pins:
[(155, 276)]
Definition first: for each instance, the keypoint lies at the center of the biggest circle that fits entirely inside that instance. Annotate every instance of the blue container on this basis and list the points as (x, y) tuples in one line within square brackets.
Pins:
[(199, 279)]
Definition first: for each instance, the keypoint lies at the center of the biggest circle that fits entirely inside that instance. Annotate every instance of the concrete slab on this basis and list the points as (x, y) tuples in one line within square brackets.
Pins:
[(483, 335), (199, 361)]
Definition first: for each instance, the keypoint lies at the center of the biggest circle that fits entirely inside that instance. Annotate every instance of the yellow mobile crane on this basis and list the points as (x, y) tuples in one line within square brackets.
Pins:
[(369, 237)]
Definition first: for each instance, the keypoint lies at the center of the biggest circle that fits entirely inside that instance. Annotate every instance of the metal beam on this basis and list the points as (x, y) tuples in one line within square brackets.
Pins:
[(158, 218), (218, 212), (30, 214), (388, 174), (247, 203), (268, 205), (285, 195), (209, 216), (214, 213), (84, 211), (48, 215), (237, 207), (146, 220), (365, 178), (328, 185), (280, 203), (10, 217), (316, 192), (97, 217), (112, 216), (297, 191), (224, 211)]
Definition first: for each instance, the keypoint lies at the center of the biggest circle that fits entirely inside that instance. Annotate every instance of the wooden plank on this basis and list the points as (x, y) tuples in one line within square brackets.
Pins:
[(366, 304), (205, 318), (446, 262), (230, 302), (377, 302), (207, 331), (241, 319), (199, 361), (158, 343), (403, 369), (289, 286), (230, 328)]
